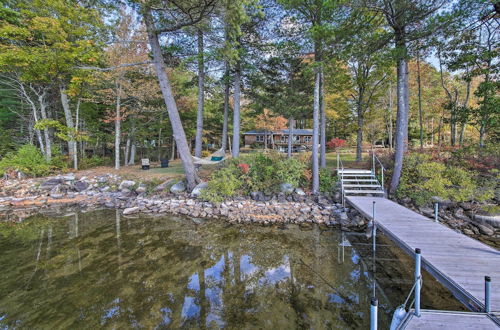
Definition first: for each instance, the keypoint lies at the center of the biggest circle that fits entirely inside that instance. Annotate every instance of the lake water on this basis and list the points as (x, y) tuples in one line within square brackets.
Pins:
[(103, 270)]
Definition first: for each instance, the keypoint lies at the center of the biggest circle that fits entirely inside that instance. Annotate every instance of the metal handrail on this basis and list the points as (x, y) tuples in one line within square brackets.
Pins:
[(340, 166), (375, 160)]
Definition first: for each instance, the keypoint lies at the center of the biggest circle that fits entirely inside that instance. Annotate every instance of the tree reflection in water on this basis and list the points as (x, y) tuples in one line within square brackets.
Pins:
[(101, 269)]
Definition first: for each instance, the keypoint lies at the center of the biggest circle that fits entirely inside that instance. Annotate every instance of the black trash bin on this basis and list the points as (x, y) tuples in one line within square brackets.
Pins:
[(164, 162)]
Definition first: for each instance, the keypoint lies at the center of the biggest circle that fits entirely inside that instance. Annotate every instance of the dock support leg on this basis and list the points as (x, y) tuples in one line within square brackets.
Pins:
[(487, 292), (436, 212), (374, 228), (373, 314), (418, 276)]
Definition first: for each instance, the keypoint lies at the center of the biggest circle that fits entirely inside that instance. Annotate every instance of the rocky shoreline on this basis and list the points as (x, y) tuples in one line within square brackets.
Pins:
[(111, 191), (21, 198)]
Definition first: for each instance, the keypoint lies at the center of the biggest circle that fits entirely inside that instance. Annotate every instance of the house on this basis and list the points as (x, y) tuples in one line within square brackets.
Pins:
[(279, 139)]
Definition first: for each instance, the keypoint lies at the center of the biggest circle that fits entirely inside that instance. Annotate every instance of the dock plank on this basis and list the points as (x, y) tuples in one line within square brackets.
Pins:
[(460, 261), (449, 321)]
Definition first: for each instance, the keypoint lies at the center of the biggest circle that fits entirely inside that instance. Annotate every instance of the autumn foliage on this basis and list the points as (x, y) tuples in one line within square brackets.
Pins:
[(335, 143)]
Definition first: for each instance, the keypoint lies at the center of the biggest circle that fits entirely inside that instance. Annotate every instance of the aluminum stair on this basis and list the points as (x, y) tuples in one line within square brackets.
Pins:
[(361, 182)]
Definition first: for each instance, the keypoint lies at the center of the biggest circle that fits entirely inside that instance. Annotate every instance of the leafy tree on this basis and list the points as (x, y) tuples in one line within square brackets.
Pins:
[(408, 21)]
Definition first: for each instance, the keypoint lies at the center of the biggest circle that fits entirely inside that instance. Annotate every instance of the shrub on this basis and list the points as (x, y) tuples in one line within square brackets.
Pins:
[(423, 178), (335, 143), (94, 161), (255, 172), (327, 180), (27, 159), (224, 183)]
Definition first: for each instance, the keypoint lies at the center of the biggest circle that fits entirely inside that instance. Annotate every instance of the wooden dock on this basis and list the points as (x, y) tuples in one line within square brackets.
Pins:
[(459, 262), (430, 319)]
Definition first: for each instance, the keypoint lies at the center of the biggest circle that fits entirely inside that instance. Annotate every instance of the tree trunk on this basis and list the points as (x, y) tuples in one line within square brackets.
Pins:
[(359, 138), (402, 115), (118, 121), (322, 162), (236, 112), (38, 133), (227, 87), (133, 151), (315, 163), (69, 123), (420, 113), (462, 134), (390, 118), (482, 130), (127, 151), (172, 156), (175, 120), (201, 99), (290, 136), (46, 133)]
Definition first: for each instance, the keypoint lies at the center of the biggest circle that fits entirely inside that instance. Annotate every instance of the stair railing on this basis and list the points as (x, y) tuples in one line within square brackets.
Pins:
[(340, 169), (376, 161)]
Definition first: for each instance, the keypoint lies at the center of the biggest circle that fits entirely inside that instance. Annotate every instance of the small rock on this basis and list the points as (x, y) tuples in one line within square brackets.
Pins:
[(178, 188), (131, 210), (126, 184), (485, 230), (343, 216), (142, 188), (50, 183), (286, 188), (427, 211), (56, 195), (299, 192), (68, 177), (257, 196), (80, 185)]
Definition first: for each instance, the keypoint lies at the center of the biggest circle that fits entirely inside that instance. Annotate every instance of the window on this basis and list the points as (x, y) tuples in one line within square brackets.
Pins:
[(259, 138), (284, 138), (307, 138)]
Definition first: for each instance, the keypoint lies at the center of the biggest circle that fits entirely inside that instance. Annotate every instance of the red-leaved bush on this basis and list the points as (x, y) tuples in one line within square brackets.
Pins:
[(244, 168), (335, 143)]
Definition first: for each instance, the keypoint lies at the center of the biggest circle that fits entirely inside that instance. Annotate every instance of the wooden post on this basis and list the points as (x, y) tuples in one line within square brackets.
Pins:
[(418, 275)]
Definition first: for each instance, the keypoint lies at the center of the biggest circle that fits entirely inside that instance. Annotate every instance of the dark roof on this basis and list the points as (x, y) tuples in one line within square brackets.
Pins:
[(284, 131)]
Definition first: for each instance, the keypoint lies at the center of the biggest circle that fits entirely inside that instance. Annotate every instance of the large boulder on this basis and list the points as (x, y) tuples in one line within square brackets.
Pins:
[(198, 189), (163, 186), (492, 220), (286, 188), (178, 188), (126, 184)]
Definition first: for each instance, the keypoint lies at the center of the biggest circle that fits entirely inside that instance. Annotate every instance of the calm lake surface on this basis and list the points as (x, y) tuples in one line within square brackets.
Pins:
[(103, 270)]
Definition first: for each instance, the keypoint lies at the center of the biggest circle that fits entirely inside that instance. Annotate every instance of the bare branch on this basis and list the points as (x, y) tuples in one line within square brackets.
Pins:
[(111, 68)]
